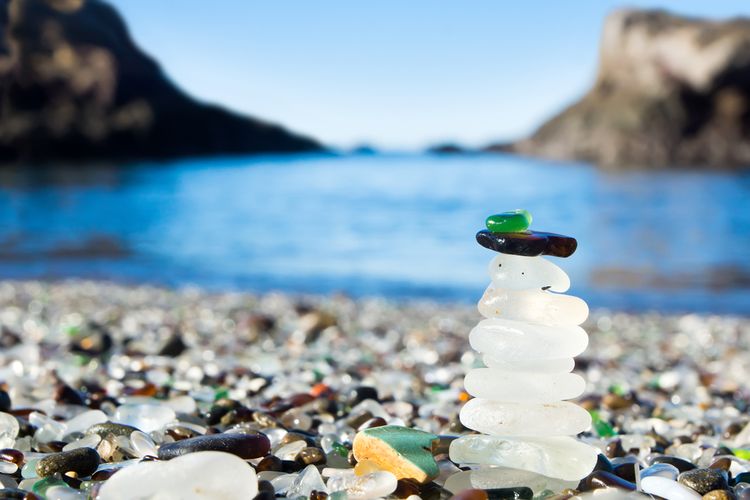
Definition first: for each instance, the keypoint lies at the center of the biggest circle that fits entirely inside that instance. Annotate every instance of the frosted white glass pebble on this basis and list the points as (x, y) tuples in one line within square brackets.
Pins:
[(144, 417), (667, 488), (561, 457), (307, 481), (564, 365), (534, 306), (8, 430), (84, 420), (515, 272), (88, 441), (487, 478), (524, 419), (199, 475), (506, 339), (502, 385), (373, 485)]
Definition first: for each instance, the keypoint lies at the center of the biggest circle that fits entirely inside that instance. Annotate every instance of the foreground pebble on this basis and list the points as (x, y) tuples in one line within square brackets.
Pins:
[(82, 461), (243, 445), (204, 474), (524, 419), (405, 452)]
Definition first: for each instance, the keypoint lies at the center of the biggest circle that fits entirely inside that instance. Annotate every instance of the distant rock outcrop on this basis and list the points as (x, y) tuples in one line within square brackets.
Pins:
[(670, 91), (75, 87)]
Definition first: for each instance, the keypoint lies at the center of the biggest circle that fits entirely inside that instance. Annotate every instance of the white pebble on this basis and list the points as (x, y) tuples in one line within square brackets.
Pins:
[(534, 306), (88, 441), (8, 430), (487, 478), (366, 487), (516, 272), (502, 385), (563, 365), (7, 467), (290, 450), (667, 488), (199, 475), (507, 339), (308, 480), (142, 444), (145, 417), (84, 420), (560, 457), (524, 419)]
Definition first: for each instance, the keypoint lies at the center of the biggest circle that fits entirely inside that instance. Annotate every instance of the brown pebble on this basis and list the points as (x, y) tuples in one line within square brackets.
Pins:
[(311, 455), (719, 495), (470, 495), (351, 459), (266, 486), (406, 487), (269, 463), (616, 402), (12, 455), (720, 463), (318, 495), (614, 449), (373, 422), (358, 420), (103, 475)]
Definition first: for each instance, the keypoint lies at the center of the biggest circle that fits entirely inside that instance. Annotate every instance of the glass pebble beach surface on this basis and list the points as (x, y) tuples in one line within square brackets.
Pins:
[(117, 392)]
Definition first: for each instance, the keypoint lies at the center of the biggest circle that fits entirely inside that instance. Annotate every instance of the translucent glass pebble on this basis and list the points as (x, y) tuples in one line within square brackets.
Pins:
[(514, 340), (561, 457), (563, 365), (535, 306), (145, 417), (199, 475), (8, 430), (515, 272), (369, 486), (307, 481), (524, 419), (502, 385)]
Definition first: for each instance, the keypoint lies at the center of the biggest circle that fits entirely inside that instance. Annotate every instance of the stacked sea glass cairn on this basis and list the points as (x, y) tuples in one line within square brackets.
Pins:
[(527, 342)]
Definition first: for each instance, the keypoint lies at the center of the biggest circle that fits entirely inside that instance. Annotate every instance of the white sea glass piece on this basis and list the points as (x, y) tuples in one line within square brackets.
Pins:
[(8, 430), (564, 365), (524, 419), (533, 306), (144, 417), (562, 457), (199, 475), (667, 488), (502, 385), (516, 272), (505, 339), (369, 486), (488, 478)]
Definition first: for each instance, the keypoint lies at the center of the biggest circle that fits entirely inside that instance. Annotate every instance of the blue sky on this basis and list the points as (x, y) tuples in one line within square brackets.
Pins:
[(393, 73)]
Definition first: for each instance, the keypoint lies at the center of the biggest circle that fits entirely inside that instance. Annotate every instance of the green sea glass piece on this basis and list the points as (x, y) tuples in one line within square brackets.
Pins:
[(403, 451), (509, 222)]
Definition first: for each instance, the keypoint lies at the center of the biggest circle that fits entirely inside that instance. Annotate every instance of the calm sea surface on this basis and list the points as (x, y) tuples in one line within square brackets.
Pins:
[(398, 226)]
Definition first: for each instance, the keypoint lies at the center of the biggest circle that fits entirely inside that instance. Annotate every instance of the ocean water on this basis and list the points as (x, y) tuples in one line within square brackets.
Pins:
[(400, 226)]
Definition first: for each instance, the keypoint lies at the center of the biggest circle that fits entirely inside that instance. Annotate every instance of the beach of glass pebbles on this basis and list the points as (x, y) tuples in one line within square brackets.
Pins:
[(100, 381)]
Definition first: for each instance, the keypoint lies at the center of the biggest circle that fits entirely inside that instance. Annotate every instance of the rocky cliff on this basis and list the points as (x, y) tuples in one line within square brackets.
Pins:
[(75, 87), (670, 91)]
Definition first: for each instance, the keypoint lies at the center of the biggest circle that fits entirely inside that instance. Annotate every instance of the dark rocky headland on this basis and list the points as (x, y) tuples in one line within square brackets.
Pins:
[(75, 87), (670, 91)]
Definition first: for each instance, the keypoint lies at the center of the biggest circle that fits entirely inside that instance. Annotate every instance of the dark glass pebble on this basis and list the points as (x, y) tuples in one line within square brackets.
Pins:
[(318, 495), (442, 445), (528, 243), (266, 486), (510, 493), (373, 422), (359, 419), (265, 495), (290, 466), (603, 463), (82, 461), (681, 464), (626, 471), (723, 450), (174, 346), (406, 488), (311, 455), (103, 475), (721, 464), (614, 449), (51, 447), (742, 477), (271, 462), (720, 495), (603, 479), (107, 428), (361, 393), (4, 401), (12, 455), (15, 493), (243, 445), (704, 480)]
